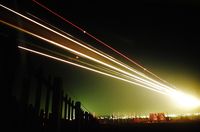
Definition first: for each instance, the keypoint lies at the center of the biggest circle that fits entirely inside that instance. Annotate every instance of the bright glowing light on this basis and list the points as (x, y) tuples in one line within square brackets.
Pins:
[(184, 100), (138, 78)]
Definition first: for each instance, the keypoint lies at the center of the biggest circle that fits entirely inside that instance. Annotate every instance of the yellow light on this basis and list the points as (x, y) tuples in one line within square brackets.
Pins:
[(184, 100)]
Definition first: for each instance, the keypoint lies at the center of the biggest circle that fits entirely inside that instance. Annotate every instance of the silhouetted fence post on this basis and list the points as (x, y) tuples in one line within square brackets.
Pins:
[(78, 115), (24, 97), (25, 91), (78, 111), (56, 103), (38, 91), (86, 118), (61, 104), (69, 109), (49, 87), (72, 109), (65, 106)]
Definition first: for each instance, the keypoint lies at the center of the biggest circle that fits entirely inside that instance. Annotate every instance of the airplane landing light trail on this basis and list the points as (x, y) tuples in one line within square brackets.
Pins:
[(103, 43), (99, 60)]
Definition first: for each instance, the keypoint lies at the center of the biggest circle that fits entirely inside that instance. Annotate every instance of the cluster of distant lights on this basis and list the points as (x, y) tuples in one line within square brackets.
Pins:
[(130, 116), (129, 75)]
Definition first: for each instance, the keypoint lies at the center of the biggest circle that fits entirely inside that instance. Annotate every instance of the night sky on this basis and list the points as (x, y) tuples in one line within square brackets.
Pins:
[(163, 37)]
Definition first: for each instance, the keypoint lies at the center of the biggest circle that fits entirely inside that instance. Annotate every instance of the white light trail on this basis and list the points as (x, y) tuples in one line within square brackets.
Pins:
[(90, 69), (145, 82), (154, 83), (181, 98), (155, 88), (101, 42), (135, 78)]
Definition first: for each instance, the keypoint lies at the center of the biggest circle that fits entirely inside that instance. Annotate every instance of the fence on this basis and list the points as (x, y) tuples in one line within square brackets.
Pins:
[(60, 111)]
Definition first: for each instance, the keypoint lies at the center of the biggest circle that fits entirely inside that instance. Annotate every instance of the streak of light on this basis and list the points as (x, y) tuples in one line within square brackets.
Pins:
[(100, 68), (50, 25), (131, 69), (52, 42), (93, 49), (183, 99), (76, 59), (88, 68), (136, 78), (101, 42)]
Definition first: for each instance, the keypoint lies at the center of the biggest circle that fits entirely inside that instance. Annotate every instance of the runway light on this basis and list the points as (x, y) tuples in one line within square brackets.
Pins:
[(186, 101)]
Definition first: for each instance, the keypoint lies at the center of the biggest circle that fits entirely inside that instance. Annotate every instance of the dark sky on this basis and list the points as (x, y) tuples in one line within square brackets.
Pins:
[(161, 36)]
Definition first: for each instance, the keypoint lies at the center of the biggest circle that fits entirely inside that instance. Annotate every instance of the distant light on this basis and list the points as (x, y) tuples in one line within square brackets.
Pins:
[(186, 101), (172, 115)]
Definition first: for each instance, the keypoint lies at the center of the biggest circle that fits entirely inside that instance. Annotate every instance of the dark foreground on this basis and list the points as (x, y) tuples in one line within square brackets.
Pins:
[(155, 127)]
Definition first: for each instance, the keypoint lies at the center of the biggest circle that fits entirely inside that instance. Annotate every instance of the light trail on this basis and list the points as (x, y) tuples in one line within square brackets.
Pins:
[(181, 98), (89, 47), (52, 42), (114, 60), (49, 41), (50, 25), (100, 68), (101, 42), (136, 78), (90, 69)]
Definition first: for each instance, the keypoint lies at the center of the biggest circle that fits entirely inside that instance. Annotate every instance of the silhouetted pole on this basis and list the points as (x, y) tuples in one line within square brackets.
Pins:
[(47, 97), (69, 109), (86, 115), (65, 106), (38, 91), (61, 104), (56, 103), (78, 115), (24, 97), (77, 110), (72, 110)]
